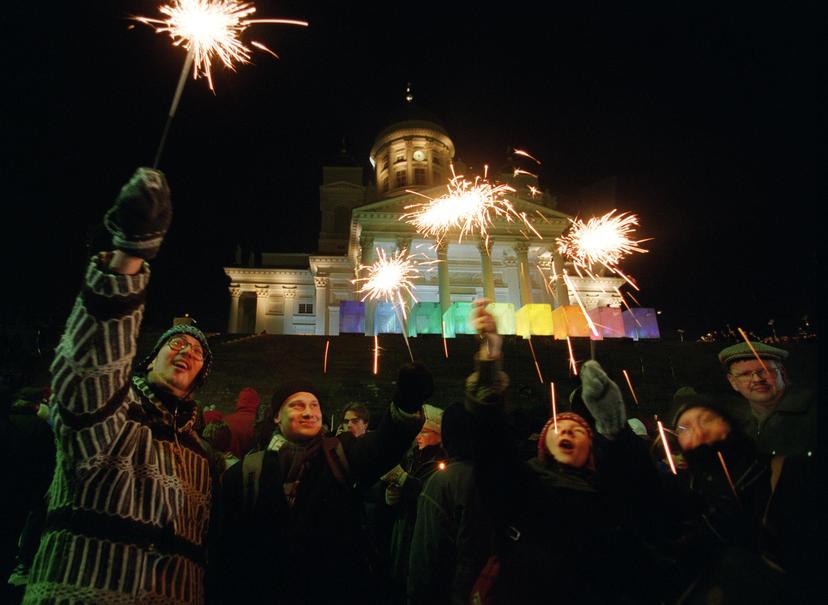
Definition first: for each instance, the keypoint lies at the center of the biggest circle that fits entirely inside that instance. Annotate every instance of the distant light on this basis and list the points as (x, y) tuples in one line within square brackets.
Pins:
[(442, 465), (658, 312)]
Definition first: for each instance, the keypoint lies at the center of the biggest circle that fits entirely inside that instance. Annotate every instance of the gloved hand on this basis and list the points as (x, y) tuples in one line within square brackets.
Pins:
[(393, 476), (141, 214), (414, 386), (603, 399), (392, 494)]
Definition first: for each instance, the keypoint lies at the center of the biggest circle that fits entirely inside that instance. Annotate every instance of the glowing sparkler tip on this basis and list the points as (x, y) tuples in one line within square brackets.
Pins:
[(211, 30)]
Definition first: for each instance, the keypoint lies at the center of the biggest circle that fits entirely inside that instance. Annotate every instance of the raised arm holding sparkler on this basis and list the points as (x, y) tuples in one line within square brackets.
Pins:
[(552, 512)]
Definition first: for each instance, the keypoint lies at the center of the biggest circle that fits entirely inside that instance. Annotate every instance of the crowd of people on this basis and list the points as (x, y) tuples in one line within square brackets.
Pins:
[(152, 500)]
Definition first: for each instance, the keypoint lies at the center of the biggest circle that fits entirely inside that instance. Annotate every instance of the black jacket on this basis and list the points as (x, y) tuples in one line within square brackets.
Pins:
[(308, 553)]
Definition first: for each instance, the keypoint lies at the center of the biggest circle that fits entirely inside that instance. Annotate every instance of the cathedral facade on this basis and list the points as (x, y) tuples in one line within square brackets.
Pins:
[(411, 158)]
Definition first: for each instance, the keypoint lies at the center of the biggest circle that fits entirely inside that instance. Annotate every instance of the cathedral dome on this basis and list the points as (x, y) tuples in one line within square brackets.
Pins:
[(413, 152)]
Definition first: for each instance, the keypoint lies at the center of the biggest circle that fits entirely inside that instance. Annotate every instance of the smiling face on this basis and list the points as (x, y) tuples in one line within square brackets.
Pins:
[(177, 365), (300, 417), (571, 445)]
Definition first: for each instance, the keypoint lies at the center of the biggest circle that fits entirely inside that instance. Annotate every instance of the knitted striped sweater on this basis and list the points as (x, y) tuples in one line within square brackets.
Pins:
[(129, 502)]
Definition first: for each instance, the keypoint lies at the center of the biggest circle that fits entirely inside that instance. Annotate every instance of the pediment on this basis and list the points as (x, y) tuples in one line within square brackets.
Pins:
[(397, 204)]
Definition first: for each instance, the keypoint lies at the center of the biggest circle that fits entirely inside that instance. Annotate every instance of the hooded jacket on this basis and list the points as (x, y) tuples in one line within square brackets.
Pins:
[(242, 420)]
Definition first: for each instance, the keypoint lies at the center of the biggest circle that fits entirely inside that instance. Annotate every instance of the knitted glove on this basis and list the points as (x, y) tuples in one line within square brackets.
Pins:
[(393, 476), (414, 386), (141, 214), (603, 399)]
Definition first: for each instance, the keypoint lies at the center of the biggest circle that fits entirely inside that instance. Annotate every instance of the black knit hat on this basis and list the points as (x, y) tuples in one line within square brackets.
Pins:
[(189, 330), (286, 389), (686, 398)]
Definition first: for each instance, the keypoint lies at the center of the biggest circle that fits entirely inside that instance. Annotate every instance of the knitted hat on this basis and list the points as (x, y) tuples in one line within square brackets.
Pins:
[(189, 330), (433, 417), (287, 389), (743, 351), (687, 398), (543, 452)]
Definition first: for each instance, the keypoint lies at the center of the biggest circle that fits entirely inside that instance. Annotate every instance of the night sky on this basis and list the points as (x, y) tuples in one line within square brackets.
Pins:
[(705, 115)]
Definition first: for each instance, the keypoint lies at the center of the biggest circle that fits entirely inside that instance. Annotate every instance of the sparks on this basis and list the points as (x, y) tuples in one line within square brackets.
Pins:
[(603, 241), (325, 361), (629, 384), (727, 476), (535, 359), (554, 406), (750, 346), (211, 30), (445, 345), (468, 206), (526, 155), (519, 171), (666, 448), (389, 277), (571, 356), (376, 354)]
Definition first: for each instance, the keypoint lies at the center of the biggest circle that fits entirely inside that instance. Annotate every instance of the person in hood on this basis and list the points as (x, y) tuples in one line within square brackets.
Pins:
[(242, 437), (129, 503)]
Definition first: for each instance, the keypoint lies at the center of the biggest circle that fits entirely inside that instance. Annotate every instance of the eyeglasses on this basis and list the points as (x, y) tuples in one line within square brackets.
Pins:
[(703, 421), (760, 374), (177, 343)]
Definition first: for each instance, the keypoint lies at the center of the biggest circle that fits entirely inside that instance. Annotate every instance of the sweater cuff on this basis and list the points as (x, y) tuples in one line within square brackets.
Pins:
[(101, 282)]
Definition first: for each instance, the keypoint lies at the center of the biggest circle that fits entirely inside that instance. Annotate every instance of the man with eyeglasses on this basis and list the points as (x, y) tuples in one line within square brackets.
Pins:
[(780, 420), (130, 499)]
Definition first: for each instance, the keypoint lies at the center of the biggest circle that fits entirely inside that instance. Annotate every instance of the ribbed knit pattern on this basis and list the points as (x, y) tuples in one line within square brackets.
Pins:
[(129, 503)]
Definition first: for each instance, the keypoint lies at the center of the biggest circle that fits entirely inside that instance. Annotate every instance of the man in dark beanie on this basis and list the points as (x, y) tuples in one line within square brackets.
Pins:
[(129, 503), (292, 514)]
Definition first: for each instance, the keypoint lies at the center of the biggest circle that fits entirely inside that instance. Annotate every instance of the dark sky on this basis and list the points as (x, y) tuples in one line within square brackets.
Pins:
[(706, 115)]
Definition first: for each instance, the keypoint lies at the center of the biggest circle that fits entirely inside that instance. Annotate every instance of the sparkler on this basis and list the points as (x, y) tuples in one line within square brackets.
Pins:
[(554, 406), (601, 241), (537, 367), (445, 345), (666, 447), (376, 354), (469, 206), (325, 361), (209, 30), (629, 384), (387, 279)]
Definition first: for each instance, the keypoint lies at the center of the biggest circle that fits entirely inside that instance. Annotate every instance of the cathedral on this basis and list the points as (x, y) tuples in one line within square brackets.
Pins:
[(412, 160)]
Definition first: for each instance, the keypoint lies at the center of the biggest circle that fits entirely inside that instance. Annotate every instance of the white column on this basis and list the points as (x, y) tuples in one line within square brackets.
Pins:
[(486, 265), (262, 296), (290, 309), (443, 277), (522, 251), (233, 318), (322, 320), (510, 276), (367, 256), (561, 289)]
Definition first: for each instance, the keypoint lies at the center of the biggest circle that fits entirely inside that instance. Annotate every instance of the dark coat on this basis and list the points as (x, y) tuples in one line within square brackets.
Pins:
[(561, 533), (311, 552), (451, 540), (790, 429)]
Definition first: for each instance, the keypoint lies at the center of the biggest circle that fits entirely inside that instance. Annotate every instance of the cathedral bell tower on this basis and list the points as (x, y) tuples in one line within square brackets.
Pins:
[(414, 152)]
